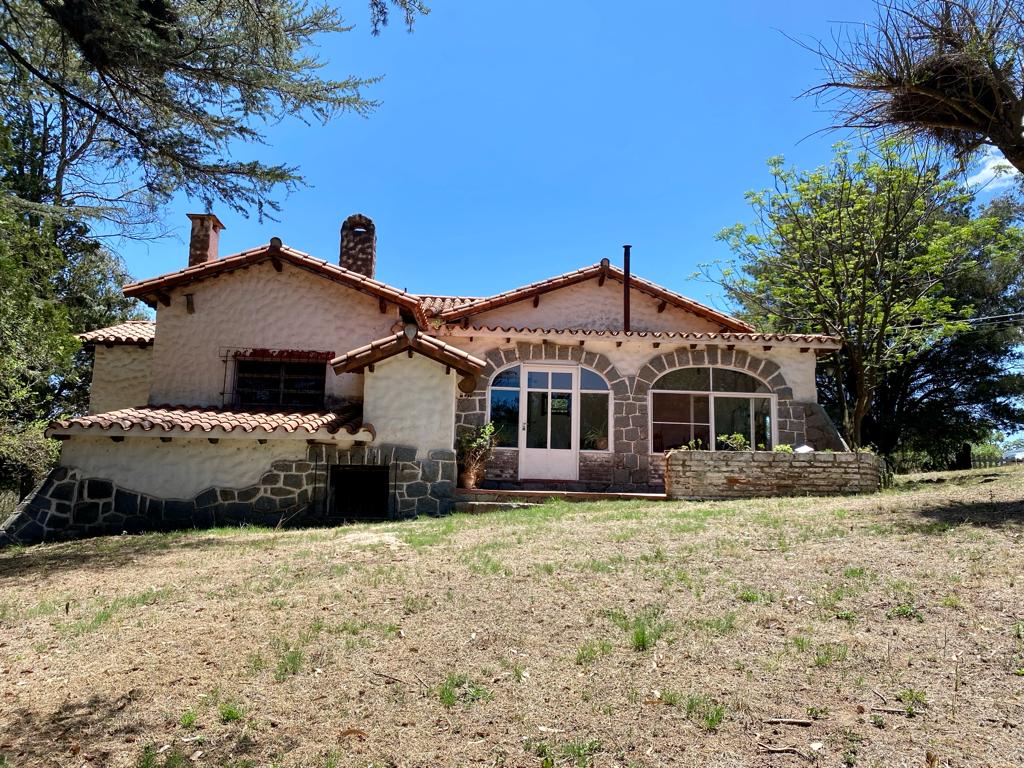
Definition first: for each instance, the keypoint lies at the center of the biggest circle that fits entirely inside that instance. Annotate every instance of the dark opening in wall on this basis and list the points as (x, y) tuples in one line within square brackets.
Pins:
[(360, 492)]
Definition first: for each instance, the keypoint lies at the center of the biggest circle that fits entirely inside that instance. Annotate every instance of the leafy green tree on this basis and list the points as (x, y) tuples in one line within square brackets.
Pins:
[(951, 70), (968, 384), (859, 249), (136, 100)]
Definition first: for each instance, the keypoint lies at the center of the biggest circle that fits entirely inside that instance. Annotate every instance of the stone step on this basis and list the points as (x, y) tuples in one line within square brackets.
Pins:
[(540, 496), (481, 507)]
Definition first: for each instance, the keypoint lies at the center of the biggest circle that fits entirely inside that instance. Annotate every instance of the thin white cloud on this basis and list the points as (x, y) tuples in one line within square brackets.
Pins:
[(994, 172)]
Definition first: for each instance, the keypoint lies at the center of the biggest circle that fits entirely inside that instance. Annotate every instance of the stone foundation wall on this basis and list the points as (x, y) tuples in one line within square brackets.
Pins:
[(746, 474), (69, 505)]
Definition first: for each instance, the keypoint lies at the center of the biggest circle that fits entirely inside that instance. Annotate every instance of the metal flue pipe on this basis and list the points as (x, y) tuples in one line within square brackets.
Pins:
[(625, 287)]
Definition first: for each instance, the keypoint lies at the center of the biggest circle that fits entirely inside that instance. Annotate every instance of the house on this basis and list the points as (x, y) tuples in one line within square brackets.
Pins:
[(274, 386)]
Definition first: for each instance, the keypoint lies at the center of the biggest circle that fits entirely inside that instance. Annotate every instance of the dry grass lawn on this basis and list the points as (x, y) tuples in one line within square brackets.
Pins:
[(890, 629)]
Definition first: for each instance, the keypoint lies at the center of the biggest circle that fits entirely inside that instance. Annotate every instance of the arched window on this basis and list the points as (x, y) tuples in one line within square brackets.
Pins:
[(510, 390), (711, 409)]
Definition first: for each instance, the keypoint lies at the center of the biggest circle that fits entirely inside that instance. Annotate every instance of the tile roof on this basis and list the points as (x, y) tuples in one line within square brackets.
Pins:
[(212, 422), (153, 289), (466, 309), (726, 337), (129, 332), (432, 306), (428, 346)]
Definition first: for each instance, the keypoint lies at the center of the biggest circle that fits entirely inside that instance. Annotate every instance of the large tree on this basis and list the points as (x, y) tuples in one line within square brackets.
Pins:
[(860, 249), (970, 384), (140, 99), (952, 70)]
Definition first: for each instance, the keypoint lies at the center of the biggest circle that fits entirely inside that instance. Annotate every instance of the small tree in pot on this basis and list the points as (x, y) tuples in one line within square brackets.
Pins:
[(474, 448)]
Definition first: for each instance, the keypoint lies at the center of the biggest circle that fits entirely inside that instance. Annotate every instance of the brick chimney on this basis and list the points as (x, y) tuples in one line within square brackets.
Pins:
[(359, 244), (202, 245)]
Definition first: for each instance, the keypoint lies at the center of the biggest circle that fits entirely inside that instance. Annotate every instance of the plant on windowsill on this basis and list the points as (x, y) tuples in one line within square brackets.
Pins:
[(733, 442), (474, 448), (596, 439)]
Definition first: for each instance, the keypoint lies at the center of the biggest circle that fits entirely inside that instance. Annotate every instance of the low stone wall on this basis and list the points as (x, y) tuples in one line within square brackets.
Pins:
[(749, 474), (68, 504)]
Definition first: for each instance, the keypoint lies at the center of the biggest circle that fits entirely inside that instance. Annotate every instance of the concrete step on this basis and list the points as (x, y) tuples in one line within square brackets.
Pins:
[(480, 507), (481, 495)]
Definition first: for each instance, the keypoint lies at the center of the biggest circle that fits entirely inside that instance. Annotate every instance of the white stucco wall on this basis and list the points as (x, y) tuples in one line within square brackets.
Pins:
[(120, 377), (179, 469), (258, 308), (411, 401), (797, 367), (590, 306)]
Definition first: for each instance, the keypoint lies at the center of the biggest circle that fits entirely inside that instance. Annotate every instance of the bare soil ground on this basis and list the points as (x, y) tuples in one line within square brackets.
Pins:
[(890, 629)]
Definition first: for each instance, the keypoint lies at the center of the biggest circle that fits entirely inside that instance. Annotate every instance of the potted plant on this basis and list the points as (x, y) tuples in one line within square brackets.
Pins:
[(474, 449)]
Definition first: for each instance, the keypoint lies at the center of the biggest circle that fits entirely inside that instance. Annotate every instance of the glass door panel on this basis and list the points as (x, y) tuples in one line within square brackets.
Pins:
[(536, 419), (561, 420)]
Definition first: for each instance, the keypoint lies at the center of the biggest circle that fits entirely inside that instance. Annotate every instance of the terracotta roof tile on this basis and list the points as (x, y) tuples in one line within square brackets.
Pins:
[(211, 422), (128, 332), (726, 337), (389, 346), (151, 289), (466, 309)]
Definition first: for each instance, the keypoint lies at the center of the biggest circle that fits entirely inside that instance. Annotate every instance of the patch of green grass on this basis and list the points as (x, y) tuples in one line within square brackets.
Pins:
[(592, 650), (255, 663), (289, 663), (516, 670), (751, 595), (830, 653), (111, 608), (657, 555), (705, 711), (913, 699), (854, 573), (546, 569), (951, 601), (151, 758), (720, 625), (486, 564), (581, 751), (230, 712), (905, 610), (645, 627), (420, 534), (671, 698), (846, 615), (801, 643), (412, 604), (817, 713), (458, 688), (188, 718)]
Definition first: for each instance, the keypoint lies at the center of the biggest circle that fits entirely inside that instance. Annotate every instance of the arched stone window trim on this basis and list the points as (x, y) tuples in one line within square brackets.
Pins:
[(789, 415)]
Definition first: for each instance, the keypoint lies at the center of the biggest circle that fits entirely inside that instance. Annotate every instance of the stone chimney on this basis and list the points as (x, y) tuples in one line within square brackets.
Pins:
[(202, 245), (359, 244)]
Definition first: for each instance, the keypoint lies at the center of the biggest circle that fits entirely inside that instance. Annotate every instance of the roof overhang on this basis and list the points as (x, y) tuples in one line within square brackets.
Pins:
[(410, 341), (213, 424), (157, 290), (601, 271), (805, 342)]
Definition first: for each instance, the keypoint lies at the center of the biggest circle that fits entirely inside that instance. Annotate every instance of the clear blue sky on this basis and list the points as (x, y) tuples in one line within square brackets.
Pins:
[(516, 141)]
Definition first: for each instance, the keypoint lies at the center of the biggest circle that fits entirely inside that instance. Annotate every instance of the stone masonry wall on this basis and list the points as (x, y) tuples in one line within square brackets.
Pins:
[(748, 474), (69, 505), (630, 465)]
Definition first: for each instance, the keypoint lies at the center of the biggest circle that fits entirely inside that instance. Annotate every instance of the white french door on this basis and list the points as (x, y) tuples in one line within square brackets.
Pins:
[(548, 423)]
